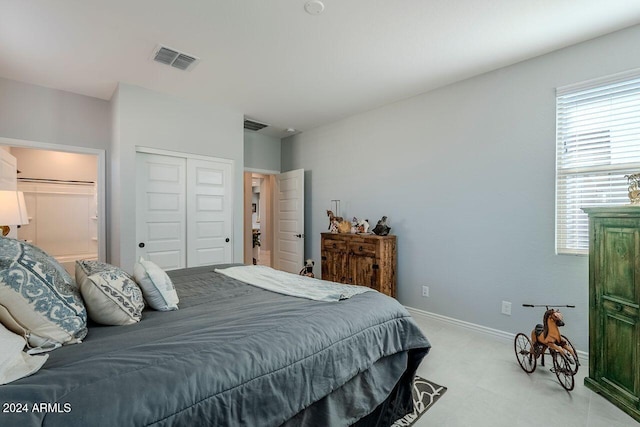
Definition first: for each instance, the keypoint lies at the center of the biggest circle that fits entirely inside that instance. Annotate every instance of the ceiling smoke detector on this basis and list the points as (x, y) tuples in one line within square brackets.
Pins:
[(174, 58), (314, 7)]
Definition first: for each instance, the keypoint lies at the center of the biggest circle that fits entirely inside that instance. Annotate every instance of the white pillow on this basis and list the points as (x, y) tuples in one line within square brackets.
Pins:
[(157, 288), (15, 363)]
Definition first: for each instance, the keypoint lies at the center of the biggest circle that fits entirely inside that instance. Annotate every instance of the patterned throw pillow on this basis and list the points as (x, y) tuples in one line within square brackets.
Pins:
[(157, 287), (85, 268), (112, 297), (39, 296)]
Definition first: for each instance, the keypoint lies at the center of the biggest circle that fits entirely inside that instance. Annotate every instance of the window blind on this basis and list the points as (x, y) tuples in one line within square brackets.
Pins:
[(597, 144)]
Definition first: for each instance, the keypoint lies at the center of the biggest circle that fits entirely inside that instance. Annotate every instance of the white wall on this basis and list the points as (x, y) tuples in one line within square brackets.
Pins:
[(261, 152), (142, 118), (466, 176), (44, 164), (36, 113)]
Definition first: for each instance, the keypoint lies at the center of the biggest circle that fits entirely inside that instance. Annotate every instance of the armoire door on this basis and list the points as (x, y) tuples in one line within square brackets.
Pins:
[(184, 210), (617, 288)]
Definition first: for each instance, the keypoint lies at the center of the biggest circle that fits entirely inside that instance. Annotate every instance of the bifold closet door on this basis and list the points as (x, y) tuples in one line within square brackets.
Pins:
[(184, 211), (161, 212)]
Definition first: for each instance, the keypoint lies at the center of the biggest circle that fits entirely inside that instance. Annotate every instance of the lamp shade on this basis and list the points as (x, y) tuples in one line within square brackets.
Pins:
[(13, 209)]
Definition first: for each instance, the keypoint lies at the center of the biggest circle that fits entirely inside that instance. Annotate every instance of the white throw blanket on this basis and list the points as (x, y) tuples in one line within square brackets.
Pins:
[(15, 363), (292, 284)]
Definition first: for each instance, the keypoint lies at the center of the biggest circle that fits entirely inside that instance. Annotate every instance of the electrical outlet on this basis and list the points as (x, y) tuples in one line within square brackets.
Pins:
[(506, 308), (425, 291)]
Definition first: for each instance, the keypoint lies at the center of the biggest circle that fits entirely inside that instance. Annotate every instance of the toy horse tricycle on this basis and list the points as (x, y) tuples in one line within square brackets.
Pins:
[(547, 336)]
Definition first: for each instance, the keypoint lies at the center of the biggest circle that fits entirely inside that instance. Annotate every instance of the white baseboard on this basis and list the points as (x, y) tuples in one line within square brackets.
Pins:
[(507, 336)]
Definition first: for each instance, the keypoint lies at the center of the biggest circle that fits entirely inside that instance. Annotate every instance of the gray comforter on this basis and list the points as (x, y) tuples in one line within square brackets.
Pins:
[(232, 355)]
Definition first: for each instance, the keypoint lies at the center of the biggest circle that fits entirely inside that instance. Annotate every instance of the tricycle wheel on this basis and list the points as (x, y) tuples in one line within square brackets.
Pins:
[(574, 363), (563, 370), (524, 353)]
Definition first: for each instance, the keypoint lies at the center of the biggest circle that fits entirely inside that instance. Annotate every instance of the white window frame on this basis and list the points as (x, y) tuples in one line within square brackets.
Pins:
[(597, 144)]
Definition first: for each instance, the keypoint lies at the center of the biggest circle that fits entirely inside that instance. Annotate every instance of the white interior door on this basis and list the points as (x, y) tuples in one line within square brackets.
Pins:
[(209, 212), (289, 221), (161, 209)]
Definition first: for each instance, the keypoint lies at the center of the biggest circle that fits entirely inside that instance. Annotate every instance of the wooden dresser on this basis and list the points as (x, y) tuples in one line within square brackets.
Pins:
[(360, 259), (614, 305)]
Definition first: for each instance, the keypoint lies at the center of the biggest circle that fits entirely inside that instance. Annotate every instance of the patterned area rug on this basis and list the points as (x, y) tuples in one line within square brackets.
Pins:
[(425, 394)]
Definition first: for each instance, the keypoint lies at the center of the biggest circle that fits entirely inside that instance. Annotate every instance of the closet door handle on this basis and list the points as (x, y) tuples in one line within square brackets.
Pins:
[(226, 240), (141, 245)]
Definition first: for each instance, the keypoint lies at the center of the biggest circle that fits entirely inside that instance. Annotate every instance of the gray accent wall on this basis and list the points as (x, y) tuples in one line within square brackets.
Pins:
[(466, 175)]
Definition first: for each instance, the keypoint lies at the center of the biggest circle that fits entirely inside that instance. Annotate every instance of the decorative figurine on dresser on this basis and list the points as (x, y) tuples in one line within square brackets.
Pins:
[(360, 258), (381, 228), (614, 301), (634, 188)]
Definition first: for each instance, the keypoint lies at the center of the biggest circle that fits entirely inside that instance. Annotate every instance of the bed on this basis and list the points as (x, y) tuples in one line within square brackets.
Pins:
[(233, 354)]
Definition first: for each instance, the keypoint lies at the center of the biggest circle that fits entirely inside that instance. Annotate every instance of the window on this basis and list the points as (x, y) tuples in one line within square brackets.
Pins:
[(598, 143)]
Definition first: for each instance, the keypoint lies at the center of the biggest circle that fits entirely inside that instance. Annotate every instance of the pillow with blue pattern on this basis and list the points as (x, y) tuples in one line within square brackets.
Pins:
[(39, 296), (112, 297)]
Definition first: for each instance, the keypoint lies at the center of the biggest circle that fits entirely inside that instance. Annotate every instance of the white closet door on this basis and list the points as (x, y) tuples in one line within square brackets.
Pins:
[(161, 209), (209, 212)]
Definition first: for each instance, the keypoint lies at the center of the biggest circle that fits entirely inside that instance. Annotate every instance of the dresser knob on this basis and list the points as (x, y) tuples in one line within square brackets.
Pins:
[(618, 307), (360, 248)]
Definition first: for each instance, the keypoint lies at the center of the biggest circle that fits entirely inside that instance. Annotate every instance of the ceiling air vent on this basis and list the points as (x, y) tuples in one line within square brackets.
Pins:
[(176, 59), (253, 125)]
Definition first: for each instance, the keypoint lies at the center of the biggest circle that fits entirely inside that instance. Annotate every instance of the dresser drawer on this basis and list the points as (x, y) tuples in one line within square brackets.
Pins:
[(334, 245), (362, 248)]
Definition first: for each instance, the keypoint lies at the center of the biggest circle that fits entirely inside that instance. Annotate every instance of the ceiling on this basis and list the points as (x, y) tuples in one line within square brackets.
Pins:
[(280, 65)]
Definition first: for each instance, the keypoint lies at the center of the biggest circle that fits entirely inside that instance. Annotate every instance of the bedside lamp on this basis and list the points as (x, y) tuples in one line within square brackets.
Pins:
[(13, 210)]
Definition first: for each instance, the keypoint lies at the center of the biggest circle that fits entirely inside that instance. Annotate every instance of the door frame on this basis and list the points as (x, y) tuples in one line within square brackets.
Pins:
[(100, 183)]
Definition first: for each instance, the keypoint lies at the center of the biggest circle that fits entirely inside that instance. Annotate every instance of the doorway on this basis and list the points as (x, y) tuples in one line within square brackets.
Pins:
[(278, 218), (258, 218), (64, 193)]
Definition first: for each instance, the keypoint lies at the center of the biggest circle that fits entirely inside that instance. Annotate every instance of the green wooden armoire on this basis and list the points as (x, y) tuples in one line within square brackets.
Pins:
[(614, 305)]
